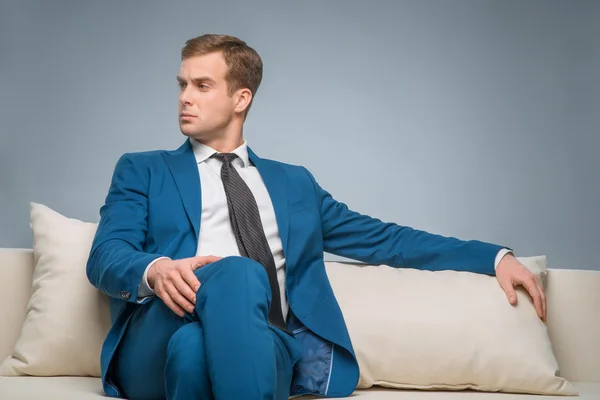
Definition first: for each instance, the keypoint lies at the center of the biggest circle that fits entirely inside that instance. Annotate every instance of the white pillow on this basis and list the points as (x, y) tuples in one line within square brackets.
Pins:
[(449, 330), (67, 318)]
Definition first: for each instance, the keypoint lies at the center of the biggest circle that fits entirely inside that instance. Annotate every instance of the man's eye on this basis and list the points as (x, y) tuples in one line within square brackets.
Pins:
[(181, 85), (203, 86)]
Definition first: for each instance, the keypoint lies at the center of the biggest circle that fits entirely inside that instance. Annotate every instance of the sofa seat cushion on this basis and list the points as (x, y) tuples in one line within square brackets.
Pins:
[(80, 388), (63, 388)]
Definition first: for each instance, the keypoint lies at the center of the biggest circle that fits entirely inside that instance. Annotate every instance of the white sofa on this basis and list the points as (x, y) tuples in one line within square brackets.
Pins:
[(574, 328)]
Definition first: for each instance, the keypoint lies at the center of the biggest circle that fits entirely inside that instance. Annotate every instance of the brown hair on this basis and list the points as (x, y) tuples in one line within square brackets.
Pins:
[(244, 63)]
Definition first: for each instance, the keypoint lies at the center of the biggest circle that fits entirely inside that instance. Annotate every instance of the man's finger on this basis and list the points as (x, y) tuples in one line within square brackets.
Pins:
[(531, 286), (201, 261), (189, 284), (179, 299), (171, 304), (543, 296), (510, 293)]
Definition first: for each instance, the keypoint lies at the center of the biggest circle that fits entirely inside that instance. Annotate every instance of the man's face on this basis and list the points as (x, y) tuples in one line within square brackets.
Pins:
[(205, 107)]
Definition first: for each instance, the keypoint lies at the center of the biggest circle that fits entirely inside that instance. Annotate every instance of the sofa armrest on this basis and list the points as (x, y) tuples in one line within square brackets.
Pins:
[(16, 269), (573, 299)]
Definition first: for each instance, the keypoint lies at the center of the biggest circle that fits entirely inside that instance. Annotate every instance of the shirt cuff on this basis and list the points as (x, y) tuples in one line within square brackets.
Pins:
[(144, 289), (500, 256)]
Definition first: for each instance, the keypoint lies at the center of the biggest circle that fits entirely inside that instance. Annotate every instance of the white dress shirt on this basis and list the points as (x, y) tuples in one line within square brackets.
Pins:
[(216, 235)]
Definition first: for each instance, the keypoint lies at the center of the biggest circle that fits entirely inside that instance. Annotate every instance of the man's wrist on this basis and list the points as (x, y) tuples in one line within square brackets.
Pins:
[(150, 275), (500, 256)]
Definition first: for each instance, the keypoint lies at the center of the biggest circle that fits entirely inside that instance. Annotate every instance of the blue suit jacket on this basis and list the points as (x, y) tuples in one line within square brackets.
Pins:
[(153, 209)]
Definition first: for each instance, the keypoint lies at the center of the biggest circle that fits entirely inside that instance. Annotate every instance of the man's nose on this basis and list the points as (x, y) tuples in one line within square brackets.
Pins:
[(184, 96)]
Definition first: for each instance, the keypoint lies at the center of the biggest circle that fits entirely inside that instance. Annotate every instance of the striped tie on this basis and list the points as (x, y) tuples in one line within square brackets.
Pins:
[(248, 230)]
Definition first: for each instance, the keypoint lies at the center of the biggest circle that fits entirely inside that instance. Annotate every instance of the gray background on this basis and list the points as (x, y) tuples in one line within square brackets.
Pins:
[(476, 119)]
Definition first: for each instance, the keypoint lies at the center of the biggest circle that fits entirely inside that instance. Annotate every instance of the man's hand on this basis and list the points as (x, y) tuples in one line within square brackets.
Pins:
[(175, 283), (510, 273)]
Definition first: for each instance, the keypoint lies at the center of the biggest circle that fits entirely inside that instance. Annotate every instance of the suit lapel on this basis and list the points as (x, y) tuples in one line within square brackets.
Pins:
[(184, 170), (275, 180)]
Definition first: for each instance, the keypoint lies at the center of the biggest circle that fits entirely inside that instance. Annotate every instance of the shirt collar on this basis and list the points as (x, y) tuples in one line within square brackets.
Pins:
[(203, 152)]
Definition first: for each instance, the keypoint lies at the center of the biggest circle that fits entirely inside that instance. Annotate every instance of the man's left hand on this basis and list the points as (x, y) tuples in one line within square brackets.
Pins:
[(511, 273)]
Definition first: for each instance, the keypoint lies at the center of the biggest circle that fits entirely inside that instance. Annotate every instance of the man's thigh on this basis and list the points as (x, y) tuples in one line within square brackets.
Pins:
[(140, 359)]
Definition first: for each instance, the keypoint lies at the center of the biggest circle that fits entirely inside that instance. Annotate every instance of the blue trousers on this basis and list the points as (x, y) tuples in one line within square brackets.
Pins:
[(224, 350)]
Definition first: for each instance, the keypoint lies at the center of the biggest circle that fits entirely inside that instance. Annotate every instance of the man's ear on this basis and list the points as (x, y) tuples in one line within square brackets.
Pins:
[(243, 97)]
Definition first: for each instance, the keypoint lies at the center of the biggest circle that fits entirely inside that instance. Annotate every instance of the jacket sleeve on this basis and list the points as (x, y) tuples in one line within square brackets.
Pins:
[(349, 234), (117, 260)]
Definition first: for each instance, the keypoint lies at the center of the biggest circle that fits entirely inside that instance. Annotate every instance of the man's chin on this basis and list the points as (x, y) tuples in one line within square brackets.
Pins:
[(192, 133), (188, 131)]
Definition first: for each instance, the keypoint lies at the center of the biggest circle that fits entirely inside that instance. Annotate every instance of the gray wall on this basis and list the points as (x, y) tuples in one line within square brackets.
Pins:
[(476, 119)]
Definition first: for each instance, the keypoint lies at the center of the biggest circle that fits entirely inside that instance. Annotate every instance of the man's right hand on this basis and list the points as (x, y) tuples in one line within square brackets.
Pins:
[(175, 283)]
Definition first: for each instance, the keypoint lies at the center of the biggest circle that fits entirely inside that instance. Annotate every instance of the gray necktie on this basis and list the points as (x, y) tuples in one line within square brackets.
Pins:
[(248, 230)]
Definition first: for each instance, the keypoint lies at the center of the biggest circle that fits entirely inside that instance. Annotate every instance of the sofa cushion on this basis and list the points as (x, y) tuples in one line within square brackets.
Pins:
[(41, 388), (67, 318), (78, 388), (445, 330), (16, 269)]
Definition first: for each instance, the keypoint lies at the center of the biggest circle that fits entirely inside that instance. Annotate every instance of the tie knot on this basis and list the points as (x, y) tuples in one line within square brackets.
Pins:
[(225, 157)]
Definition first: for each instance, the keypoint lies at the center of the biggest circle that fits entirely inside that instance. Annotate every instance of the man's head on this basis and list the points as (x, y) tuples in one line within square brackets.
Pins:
[(218, 79)]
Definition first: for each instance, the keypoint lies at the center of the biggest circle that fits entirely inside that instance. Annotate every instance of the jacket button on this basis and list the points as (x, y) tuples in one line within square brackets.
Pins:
[(125, 295)]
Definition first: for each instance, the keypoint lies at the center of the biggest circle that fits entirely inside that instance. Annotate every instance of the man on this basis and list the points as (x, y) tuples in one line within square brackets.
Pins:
[(213, 256)]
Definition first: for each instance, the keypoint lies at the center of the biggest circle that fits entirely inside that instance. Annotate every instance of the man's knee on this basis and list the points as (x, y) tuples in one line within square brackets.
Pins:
[(234, 270)]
